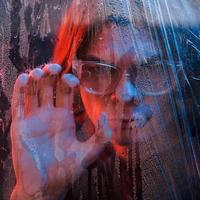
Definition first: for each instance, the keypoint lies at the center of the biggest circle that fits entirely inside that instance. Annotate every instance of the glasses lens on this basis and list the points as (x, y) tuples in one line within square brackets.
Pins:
[(154, 79), (99, 78)]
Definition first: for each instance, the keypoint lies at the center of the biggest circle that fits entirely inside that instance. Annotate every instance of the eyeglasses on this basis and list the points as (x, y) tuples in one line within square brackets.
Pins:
[(96, 78), (102, 79)]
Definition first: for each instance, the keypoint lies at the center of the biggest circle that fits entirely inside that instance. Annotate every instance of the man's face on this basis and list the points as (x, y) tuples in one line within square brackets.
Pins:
[(143, 80)]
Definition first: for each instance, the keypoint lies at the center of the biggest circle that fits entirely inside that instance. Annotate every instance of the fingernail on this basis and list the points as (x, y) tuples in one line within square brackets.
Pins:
[(71, 80), (37, 73), (22, 79), (52, 69)]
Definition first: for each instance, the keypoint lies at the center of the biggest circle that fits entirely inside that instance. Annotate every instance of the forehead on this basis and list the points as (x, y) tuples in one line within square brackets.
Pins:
[(113, 43)]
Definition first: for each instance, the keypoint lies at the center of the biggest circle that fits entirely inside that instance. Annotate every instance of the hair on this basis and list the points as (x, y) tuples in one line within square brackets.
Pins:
[(76, 33), (96, 28), (82, 22), (70, 34), (78, 29), (75, 36)]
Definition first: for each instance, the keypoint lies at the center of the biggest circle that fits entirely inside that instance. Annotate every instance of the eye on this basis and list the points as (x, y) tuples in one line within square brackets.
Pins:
[(97, 70), (99, 77), (133, 72), (153, 78)]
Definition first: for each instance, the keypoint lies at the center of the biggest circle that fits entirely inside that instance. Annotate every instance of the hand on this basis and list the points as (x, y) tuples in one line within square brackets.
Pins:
[(46, 155)]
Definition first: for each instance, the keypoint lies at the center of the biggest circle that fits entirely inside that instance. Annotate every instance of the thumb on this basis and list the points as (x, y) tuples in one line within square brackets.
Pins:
[(103, 129), (98, 142)]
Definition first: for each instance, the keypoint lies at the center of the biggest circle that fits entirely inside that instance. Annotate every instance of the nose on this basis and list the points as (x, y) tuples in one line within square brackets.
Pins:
[(126, 90)]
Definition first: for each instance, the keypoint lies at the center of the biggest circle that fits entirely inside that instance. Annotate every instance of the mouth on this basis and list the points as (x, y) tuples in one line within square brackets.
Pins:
[(124, 124), (127, 124)]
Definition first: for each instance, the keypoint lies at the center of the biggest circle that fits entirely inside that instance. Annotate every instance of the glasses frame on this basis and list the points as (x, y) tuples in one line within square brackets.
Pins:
[(77, 64)]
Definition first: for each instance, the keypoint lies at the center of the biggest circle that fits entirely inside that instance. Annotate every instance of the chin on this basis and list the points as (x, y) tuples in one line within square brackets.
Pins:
[(123, 137)]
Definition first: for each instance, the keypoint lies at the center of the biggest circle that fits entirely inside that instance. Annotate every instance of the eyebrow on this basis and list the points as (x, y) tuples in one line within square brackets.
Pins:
[(118, 20), (96, 59), (151, 60)]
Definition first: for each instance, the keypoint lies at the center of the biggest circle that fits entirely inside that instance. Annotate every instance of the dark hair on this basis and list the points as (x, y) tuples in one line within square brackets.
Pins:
[(169, 39), (96, 28)]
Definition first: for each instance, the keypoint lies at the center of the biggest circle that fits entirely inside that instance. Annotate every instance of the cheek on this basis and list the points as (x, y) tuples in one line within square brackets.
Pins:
[(162, 111), (93, 105)]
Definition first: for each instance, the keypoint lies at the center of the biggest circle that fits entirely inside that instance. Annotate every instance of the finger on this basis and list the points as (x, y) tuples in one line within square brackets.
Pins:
[(31, 101), (104, 130), (141, 114), (64, 90), (47, 83), (93, 154), (103, 138), (18, 98)]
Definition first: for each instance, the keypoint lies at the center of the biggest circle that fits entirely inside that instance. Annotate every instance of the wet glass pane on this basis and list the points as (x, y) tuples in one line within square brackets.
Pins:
[(100, 99)]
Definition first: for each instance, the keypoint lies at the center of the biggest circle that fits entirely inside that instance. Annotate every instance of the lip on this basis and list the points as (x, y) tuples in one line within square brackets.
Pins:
[(124, 123)]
